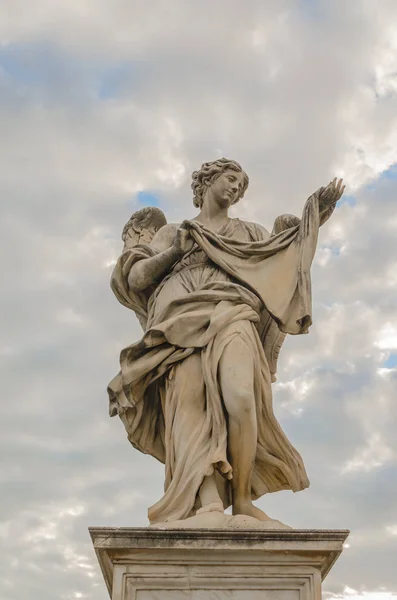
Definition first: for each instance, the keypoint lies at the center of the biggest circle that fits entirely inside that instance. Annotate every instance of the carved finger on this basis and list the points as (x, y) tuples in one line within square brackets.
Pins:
[(340, 188), (341, 192)]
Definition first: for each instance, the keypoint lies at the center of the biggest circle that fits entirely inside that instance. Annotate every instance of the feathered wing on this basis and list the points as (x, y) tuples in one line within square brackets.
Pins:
[(284, 222), (137, 235), (142, 227)]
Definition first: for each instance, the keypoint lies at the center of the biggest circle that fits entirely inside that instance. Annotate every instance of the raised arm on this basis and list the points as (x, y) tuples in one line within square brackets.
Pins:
[(328, 197), (170, 243)]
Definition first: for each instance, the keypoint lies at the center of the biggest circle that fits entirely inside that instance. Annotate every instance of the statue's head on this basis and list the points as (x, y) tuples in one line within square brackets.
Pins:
[(232, 180)]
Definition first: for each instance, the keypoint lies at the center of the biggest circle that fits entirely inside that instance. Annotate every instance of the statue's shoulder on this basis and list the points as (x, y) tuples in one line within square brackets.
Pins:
[(165, 236), (257, 232), (168, 229)]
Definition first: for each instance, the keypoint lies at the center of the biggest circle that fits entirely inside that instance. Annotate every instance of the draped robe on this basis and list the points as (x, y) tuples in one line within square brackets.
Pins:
[(236, 282)]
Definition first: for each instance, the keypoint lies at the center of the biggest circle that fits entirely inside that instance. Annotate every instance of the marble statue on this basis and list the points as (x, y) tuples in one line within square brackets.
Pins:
[(215, 297)]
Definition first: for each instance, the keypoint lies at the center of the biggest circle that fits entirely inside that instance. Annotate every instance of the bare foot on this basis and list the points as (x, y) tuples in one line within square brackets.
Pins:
[(247, 508), (212, 507)]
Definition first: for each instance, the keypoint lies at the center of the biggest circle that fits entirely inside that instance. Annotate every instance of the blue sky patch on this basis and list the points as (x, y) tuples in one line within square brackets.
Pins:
[(390, 173), (113, 80), (146, 198), (346, 199), (310, 8), (390, 362), (40, 65), (35, 65), (21, 64), (335, 250)]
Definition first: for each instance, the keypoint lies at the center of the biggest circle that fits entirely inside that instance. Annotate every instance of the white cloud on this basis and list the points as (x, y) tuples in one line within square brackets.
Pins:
[(387, 337), (351, 594), (374, 454), (392, 529)]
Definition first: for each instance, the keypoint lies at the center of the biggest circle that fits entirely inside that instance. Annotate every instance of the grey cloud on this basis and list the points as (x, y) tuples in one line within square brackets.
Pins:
[(295, 96)]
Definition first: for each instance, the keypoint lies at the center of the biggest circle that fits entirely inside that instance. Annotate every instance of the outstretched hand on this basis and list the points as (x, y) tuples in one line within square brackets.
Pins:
[(332, 192)]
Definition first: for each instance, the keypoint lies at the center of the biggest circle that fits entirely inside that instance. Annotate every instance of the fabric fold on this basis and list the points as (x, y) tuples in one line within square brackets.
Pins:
[(167, 394)]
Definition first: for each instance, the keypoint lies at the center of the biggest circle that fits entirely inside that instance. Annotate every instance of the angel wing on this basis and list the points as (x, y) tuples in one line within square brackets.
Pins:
[(284, 222), (142, 227), (139, 230)]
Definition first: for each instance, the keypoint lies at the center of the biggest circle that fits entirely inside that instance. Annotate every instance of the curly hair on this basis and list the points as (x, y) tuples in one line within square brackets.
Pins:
[(209, 172)]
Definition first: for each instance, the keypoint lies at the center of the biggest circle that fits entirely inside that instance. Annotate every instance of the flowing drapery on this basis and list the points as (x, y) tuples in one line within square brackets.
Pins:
[(167, 392)]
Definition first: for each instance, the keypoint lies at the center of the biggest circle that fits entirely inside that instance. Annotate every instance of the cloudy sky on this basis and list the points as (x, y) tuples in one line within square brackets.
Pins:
[(106, 107)]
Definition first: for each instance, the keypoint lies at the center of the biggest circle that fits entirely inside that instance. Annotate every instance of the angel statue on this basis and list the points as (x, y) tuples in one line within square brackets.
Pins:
[(215, 297)]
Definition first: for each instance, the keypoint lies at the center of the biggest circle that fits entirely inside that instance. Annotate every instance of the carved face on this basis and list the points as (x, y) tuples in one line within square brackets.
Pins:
[(227, 187)]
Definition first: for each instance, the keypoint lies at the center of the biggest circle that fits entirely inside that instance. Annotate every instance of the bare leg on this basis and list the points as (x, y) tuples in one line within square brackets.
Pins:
[(236, 374), (209, 496)]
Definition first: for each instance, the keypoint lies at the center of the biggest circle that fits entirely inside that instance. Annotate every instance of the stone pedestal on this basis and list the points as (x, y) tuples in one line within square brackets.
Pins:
[(215, 564)]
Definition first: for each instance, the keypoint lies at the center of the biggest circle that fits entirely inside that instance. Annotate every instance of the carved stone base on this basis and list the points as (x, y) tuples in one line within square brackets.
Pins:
[(215, 564), (219, 520)]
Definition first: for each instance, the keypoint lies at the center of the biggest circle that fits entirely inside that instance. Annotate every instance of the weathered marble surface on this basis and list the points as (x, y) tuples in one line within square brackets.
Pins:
[(216, 297), (205, 564)]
